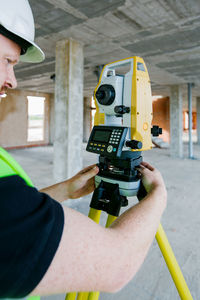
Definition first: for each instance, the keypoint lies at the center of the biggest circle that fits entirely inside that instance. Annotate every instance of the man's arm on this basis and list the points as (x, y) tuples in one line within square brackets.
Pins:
[(78, 186), (91, 257)]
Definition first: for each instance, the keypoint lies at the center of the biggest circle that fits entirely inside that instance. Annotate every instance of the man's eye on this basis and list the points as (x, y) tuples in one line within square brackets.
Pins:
[(8, 60)]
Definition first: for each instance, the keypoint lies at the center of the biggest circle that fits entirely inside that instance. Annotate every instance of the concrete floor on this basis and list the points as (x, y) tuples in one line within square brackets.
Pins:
[(181, 220)]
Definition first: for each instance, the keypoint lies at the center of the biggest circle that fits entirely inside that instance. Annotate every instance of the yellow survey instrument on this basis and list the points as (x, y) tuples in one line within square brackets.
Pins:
[(128, 81)]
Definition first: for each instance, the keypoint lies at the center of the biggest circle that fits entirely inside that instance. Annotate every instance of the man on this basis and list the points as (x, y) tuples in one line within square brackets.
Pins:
[(47, 248)]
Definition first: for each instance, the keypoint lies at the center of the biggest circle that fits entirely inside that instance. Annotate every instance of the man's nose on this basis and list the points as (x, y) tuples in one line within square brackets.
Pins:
[(11, 79)]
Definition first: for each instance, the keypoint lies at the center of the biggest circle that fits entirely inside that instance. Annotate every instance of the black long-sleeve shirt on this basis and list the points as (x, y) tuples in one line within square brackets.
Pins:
[(31, 225)]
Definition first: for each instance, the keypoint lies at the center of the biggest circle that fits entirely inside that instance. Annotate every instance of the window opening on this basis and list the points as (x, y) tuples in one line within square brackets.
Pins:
[(35, 118)]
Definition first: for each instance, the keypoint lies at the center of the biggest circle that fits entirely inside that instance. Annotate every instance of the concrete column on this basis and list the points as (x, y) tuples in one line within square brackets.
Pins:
[(190, 144), (86, 119), (52, 119), (198, 120), (176, 122), (68, 135)]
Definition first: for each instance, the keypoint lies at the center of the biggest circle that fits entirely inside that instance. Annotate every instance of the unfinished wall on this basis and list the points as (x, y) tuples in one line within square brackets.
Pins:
[(14, 119), (161, 117), (185, 120), (86, 119)]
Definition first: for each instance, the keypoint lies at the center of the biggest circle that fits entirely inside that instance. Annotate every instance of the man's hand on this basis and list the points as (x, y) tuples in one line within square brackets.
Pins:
[(78, 186), (82, 183), (152, 179)]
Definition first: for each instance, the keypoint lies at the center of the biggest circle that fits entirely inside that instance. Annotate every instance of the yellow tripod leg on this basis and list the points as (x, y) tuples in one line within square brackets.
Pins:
[(71, 296), (95, 295), (172, 265), (95, 215), (110, 219), (82, 296)]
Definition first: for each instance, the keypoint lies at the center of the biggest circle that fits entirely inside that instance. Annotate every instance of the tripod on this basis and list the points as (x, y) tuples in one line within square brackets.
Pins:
[(108, 197)]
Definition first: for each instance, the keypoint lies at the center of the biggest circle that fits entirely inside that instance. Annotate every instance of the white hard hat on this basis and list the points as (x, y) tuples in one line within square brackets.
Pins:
[(17, 23)]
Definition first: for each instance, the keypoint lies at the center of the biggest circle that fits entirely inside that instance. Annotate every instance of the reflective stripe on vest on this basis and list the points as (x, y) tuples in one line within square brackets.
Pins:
[(9, 167)]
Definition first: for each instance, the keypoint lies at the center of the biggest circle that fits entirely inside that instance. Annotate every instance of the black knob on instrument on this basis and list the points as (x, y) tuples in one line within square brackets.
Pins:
[(156, 130), (133, 144), (121, 109)]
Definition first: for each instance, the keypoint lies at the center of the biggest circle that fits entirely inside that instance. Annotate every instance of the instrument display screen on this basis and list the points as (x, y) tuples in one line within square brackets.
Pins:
[(107, 140), (101, 136)]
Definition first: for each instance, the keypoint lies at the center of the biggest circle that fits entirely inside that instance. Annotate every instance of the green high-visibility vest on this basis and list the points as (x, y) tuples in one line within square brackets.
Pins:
[(9, 167)]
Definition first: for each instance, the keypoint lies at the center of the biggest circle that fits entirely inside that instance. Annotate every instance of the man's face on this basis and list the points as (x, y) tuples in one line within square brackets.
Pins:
[(9, 57)]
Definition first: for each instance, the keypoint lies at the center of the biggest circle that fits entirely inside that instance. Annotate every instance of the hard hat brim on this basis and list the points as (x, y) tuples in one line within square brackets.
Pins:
[(33, 54)]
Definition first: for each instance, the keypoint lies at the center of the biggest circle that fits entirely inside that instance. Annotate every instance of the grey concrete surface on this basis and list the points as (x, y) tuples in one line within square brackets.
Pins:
[(181, 220), (68, 109), (176, 122), (164, 32)]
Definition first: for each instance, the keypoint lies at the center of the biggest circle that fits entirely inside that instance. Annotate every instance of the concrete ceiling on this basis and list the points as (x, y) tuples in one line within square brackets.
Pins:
[(166, 33)]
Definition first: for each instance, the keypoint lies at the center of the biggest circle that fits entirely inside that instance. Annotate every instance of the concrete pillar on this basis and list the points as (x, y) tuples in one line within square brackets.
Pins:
[(190, 144), (198, 120), (86, 119), (176, 122), (52, 119), (68, 135)]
